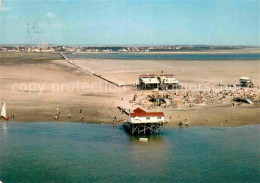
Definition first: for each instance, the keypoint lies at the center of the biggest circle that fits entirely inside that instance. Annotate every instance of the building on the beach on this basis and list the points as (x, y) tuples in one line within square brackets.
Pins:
[(245, 82), (149, 81), (141, 116), (168, 81), (163, 81), (142, 122)]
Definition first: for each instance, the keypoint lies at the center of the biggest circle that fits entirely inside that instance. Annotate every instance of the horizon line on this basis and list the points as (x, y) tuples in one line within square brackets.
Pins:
[(124, 45)]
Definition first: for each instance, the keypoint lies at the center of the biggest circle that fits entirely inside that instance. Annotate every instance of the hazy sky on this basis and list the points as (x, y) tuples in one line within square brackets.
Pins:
[(214, 22)]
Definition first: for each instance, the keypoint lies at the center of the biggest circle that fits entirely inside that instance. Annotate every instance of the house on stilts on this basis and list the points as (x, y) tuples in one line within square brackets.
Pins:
[(142, 122)]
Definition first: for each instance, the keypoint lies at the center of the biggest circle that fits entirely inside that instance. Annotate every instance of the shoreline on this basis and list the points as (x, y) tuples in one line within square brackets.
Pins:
[(101, 106), (164, 59), (234, 51), (121, 124)]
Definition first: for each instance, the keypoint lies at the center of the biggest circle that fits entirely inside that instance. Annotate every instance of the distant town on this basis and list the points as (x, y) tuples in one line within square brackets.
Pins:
[(46, 48)]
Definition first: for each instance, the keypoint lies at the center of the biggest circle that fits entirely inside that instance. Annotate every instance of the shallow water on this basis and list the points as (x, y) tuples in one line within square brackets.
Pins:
[(227, 56), (75, 152)]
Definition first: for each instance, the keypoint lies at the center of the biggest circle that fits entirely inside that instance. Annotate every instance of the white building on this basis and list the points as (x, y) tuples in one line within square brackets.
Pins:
[(141, 116), (149, 81), (169, 81), (246, 82)]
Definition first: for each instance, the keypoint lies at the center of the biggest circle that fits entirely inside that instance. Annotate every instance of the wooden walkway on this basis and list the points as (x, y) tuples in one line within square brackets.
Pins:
[(92, 73), (123, 110)]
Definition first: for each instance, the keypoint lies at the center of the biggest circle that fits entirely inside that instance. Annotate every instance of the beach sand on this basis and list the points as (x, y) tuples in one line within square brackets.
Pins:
[(57, 84)]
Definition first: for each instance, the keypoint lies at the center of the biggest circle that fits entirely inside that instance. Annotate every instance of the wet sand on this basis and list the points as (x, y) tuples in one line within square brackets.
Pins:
[(98, 100)]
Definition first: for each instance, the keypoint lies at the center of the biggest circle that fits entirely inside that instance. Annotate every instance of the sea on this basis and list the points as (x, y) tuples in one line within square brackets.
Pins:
[(179, 56), (76, 152)]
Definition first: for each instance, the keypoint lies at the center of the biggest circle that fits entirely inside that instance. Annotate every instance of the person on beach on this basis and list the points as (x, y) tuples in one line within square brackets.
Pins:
[(69, 116), (82, 119), (80, 111)]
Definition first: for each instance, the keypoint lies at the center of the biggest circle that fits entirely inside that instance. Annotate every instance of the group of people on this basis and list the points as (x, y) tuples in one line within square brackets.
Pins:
[(56, 117), (182, 123), (114, 120)]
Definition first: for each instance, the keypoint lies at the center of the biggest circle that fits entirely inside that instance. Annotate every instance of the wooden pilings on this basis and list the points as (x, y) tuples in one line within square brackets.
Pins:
[(144, 128)]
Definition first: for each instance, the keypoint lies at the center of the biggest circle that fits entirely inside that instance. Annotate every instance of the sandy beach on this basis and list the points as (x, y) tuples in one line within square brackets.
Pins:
[(36, 87)]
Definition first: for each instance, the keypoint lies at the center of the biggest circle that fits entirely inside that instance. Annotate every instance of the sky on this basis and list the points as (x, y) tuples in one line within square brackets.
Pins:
[(130, 22)]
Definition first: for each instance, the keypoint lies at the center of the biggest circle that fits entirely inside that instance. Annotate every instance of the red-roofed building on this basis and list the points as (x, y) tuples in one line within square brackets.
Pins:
[(139, 110), (141, 116)]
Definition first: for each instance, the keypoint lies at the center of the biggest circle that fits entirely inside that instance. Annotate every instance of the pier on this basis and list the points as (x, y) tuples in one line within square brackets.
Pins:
[(123, 110), (63, 56), (92, 73)]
